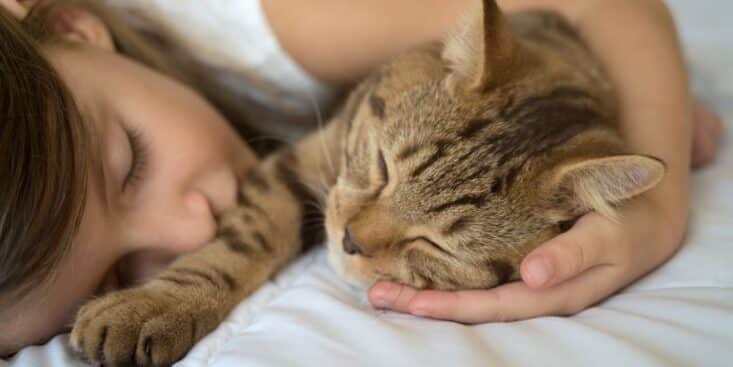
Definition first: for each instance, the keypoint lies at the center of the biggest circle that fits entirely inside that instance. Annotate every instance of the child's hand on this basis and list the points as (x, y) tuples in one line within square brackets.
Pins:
[(565, 275)]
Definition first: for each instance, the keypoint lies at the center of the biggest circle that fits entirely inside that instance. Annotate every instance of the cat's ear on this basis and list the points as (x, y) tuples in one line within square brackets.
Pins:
[(598, 184), (481, 52)]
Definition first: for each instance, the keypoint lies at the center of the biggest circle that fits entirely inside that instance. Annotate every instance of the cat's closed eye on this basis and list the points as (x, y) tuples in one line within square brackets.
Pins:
[(425, 242), (383, 172)]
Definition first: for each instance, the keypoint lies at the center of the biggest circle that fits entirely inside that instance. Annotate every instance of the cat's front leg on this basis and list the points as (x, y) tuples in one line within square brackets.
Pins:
[(145, 326), (157, 323)]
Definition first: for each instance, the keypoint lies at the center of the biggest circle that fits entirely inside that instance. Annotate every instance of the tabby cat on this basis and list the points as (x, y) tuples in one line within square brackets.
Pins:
[(443, 170)]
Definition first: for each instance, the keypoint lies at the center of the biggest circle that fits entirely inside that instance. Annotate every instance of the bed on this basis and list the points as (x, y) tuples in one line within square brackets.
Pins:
[(679, 315)]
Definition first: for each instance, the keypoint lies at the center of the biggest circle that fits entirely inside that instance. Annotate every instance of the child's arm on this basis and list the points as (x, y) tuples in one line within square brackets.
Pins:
[(637, 41), (339, 42)]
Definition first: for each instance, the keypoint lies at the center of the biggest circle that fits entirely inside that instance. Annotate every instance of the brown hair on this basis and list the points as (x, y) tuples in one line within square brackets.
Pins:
[(44, 145), (42, 162)]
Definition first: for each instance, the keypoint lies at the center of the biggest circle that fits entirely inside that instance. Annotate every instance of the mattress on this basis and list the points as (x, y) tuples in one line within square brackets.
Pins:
[(679, 315)]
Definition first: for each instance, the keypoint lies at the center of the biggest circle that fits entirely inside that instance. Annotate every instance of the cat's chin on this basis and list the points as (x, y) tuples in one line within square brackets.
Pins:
[(336, 260)]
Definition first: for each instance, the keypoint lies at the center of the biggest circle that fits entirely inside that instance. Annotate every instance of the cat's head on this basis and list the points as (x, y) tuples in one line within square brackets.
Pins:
[(462, 157)]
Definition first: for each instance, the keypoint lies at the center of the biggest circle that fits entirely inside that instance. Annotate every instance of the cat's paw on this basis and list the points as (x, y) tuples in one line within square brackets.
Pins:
[(141, 327)]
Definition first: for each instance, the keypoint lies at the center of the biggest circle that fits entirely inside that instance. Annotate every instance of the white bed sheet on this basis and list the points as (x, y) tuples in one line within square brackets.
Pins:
[(679, 315)]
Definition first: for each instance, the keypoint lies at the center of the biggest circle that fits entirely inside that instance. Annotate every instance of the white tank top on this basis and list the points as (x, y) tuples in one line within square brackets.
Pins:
[(233, 39)]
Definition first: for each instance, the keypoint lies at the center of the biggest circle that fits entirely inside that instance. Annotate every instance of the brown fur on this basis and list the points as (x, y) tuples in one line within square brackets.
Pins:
[(443, 170)]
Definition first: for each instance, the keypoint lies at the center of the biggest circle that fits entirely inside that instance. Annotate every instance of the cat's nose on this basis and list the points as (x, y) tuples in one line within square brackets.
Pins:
[(351, 247)]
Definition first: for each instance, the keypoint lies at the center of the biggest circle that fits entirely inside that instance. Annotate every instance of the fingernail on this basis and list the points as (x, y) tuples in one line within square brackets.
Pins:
[(380, 303), (379, 295), (420, 312), (381, 290), (539, 271)]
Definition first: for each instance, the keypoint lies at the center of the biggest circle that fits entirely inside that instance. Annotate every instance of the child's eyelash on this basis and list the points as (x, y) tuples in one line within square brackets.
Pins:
[(139, 157)]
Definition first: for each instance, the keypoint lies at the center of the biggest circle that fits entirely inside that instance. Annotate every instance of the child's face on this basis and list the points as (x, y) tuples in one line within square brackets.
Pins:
[(135, 219)]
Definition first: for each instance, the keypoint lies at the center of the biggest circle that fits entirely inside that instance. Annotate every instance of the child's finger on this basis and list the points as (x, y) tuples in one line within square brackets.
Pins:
[(391, 295), (584, 246), (516, 301)]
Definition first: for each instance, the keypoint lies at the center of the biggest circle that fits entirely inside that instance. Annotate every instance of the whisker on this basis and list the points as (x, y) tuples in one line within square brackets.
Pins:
[(516, 251), (324, 148), (319, 118)]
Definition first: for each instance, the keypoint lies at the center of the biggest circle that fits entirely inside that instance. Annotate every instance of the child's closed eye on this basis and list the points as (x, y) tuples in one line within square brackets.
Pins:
[(139, 151)]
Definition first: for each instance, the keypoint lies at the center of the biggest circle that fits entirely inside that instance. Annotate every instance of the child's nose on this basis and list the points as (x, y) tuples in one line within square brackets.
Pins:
[(196, 224), (185, 225)]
